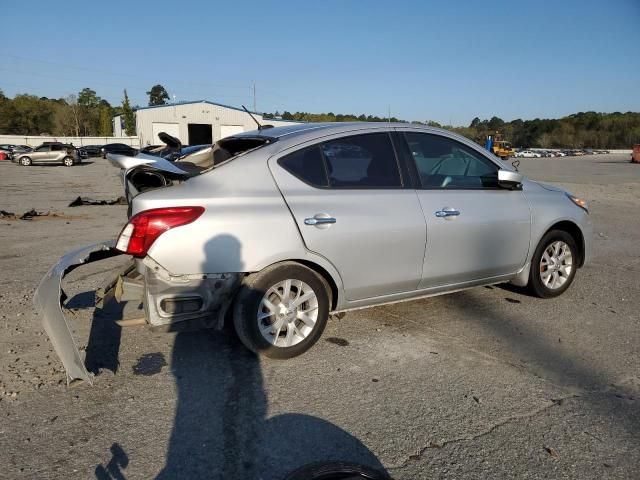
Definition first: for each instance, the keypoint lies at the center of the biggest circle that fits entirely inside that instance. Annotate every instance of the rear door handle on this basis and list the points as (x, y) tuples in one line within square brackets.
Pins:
[(319, 220), (447, 212)]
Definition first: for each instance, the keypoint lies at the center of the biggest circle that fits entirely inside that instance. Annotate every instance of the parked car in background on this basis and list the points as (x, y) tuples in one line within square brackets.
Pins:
[(528, 154), (4, 155), (49, 152), (118, 149), (82, 153), (7, 148), (289, 224), (93, 150)]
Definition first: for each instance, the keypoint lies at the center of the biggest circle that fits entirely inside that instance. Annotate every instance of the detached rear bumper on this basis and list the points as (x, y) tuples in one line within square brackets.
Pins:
[(49, 298), (199, 300)]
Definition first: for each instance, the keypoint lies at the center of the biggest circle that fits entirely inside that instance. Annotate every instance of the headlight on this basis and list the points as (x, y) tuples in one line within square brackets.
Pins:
[(579, 202)]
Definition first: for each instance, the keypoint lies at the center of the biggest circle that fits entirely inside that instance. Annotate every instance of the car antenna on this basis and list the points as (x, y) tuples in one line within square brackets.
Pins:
[(260, 127)]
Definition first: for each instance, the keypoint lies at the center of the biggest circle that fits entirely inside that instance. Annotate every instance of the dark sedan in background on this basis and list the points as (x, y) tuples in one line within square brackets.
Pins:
[(118, 148)]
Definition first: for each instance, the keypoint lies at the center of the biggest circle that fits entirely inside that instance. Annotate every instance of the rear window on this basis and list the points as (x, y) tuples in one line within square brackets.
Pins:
[(223, 151)]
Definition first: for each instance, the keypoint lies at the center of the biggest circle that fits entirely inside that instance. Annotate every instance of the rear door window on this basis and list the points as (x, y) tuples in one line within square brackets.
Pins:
[(307, 165), (56, 148), (362, 161)]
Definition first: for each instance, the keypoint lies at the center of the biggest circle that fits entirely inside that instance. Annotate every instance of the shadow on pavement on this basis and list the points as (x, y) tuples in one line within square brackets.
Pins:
[(221, 428)]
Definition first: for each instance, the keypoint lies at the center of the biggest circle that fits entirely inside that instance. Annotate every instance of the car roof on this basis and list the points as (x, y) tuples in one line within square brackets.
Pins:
[(295, 134)]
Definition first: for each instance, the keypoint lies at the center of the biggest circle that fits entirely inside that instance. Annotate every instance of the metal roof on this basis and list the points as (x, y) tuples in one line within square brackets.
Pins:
[(191, 102)]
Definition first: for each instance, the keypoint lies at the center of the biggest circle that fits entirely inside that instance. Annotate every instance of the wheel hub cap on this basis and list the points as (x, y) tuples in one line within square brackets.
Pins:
[(556, 265), (287, 313)]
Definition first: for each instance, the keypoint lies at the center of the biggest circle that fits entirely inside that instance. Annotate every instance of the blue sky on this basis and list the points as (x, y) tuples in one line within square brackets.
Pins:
[(447, 61)]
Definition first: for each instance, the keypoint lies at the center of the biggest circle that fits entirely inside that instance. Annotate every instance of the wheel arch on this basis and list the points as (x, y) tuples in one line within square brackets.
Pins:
[(576, 233)]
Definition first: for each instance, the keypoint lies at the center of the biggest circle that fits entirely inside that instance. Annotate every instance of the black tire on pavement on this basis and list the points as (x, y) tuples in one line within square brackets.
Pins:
[(536, 285), (248, 303)]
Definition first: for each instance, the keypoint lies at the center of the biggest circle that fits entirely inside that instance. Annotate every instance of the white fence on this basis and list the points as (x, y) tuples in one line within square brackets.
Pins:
[(35, 140)]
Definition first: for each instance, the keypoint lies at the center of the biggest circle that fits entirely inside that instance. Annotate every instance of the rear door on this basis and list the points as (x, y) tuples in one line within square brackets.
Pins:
[(353, 207), (475, 229), (56, 153)]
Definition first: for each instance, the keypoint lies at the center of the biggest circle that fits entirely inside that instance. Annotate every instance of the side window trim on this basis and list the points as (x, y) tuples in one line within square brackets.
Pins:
[(411, 160)]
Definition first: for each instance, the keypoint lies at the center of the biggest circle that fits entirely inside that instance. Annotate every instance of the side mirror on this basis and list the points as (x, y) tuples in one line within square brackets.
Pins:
[(510, 180)]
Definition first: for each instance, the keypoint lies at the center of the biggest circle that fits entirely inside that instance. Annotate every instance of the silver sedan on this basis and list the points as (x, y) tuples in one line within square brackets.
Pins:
[(282, 227)]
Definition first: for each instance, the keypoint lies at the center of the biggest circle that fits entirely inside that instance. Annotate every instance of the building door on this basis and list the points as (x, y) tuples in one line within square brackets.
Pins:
[(172, 129), (228, 130), (200, 134)]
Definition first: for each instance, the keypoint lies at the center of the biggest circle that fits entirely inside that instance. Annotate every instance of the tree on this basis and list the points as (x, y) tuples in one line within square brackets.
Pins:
[(129, 117), (105, 127), (158, 95), (88, 98)]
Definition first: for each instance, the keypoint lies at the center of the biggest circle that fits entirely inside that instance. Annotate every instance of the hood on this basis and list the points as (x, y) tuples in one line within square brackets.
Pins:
[(548, 186)]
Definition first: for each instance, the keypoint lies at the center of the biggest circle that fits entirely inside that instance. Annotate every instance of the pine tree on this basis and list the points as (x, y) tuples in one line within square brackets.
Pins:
[(129, 116)]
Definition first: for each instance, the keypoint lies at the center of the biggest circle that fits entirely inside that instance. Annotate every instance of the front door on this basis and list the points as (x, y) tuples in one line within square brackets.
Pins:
[(475, 229), (40, 154), (350, 204)]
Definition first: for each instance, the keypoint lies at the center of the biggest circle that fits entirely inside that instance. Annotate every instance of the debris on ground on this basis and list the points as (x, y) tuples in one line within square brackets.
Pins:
[(91, 201), (28, 215), (552, 452), (33, 213)]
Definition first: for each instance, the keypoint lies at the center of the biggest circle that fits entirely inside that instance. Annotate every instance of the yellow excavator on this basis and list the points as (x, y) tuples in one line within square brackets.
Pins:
[(499, 147)]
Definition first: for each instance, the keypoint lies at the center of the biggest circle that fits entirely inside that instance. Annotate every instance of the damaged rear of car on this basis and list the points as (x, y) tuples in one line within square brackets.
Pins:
[(159, 276)]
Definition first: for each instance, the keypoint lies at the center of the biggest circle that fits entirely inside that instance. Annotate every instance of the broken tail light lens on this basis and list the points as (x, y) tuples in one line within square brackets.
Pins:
[(144, 228)]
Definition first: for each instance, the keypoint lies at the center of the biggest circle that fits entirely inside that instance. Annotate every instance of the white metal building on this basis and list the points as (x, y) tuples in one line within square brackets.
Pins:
[(194, 123)]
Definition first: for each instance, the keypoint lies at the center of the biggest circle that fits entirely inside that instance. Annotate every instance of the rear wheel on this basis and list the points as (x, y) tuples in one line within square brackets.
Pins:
[(554, 264), (281, 311), (68, 161), (25, 161)]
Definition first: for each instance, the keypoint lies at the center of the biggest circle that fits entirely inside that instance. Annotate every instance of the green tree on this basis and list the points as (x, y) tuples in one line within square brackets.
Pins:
[(88, 98), (158, 95), (129, 116), (105, 120)]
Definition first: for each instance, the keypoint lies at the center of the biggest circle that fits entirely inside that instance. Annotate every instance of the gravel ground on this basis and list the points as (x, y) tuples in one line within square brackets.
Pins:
[(486, 383)]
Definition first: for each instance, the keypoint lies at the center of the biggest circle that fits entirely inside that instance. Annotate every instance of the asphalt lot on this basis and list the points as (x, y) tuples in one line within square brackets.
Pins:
[(486, 383)]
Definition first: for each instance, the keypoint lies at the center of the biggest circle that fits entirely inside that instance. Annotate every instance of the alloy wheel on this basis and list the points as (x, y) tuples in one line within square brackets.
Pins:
[(556, 265), (287, 313)]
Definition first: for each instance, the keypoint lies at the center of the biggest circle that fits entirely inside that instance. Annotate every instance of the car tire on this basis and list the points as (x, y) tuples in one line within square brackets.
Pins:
[(337, 471), (268, 316), (554, 264), (25, 161), (68, 162)]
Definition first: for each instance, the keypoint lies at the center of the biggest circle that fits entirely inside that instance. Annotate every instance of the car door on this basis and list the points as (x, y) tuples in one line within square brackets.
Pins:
[(475, 229), (40, 154), (352, 206), (56, 153)]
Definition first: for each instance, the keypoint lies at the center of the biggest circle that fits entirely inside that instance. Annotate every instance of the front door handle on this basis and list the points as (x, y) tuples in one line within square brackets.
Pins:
[(447, 212), (319, 220)]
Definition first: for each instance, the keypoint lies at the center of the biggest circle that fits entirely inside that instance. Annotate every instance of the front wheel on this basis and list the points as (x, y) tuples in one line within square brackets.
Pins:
[(282, 310), (554, 264), (25, 161), (68, 161)]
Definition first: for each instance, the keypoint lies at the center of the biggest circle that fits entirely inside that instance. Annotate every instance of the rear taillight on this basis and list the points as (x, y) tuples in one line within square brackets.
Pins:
[(144, 228)]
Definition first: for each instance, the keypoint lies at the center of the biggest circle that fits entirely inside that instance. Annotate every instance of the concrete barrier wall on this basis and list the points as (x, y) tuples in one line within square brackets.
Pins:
[(35, 140)]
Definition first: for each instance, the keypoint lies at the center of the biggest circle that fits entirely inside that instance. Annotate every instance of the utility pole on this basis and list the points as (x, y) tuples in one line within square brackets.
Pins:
[(389, 112), (254, 97)]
